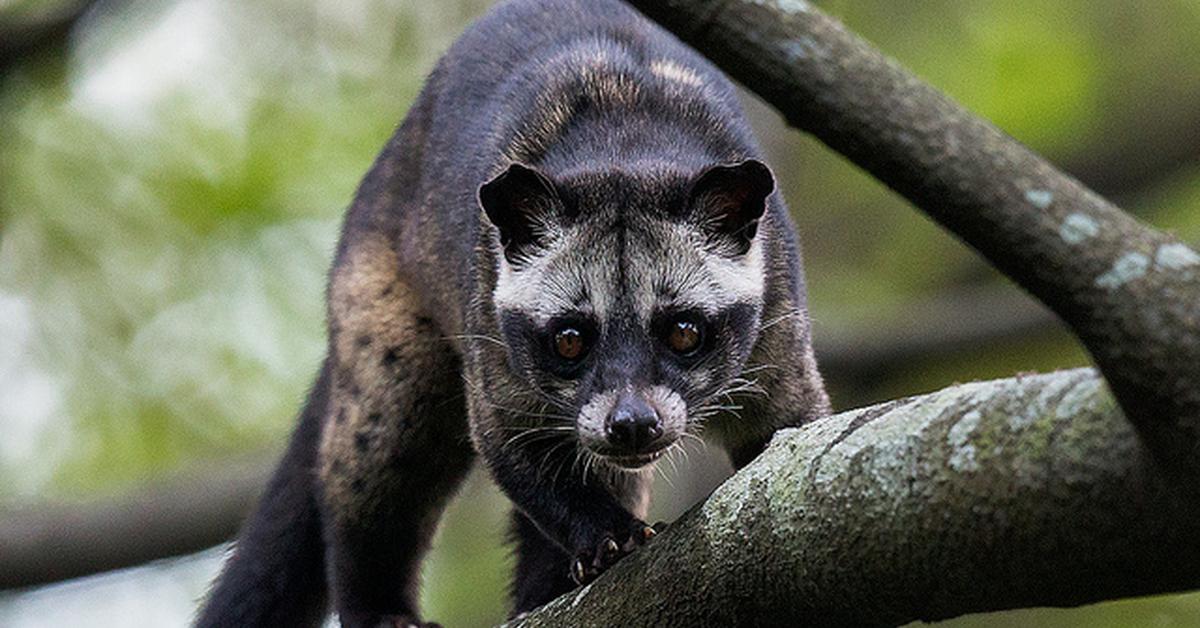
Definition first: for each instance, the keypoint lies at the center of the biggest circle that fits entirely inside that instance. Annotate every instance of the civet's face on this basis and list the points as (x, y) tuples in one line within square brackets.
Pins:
[(629, 304)]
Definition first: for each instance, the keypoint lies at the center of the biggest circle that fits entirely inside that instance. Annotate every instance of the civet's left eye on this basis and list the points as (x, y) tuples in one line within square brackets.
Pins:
[(684, 337), (569, 344)]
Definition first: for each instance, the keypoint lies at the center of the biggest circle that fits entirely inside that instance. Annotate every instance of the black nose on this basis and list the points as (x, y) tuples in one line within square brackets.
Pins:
[(632, 425)]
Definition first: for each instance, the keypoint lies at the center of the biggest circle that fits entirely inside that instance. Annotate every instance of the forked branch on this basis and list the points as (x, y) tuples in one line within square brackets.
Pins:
[(1130, 293)]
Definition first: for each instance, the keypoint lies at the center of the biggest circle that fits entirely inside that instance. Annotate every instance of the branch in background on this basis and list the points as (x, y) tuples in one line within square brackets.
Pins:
[(199, 508), (1130, 293), (1022, 492), (1141, 157), (962, 321), (51, 543), (22, 36), (47, 543)]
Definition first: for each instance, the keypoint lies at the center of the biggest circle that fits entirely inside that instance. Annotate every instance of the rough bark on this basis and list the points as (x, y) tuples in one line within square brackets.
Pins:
[(1006, 494), (1032, 491), (1130, 293)]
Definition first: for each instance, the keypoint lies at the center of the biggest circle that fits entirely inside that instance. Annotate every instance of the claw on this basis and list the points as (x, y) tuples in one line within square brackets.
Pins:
[(578, 571), (594, 560)]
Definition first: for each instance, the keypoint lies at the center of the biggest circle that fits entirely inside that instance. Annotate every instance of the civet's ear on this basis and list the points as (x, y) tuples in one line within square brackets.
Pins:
[(523, 204), (728, 200)]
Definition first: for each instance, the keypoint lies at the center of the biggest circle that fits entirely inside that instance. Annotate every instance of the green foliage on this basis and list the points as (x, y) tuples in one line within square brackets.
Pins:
[(170, 194), (169, 241)]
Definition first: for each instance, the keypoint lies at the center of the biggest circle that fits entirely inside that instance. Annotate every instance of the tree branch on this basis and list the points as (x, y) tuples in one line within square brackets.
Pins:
[(198, 508), (1141, 158), (49, 543), (964, 319), (1021, 492), (48, 26), (1130, 293), (987, 496)]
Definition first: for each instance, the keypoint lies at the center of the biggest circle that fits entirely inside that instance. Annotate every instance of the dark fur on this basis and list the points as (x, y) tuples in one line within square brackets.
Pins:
[(625, 148)]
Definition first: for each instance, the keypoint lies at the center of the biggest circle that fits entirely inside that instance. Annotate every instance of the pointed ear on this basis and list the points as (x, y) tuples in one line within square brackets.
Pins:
[(729, 199), (522, 203)]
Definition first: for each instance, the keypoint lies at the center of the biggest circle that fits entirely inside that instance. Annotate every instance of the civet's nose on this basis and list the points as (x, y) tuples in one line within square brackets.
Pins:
[(633, 425)]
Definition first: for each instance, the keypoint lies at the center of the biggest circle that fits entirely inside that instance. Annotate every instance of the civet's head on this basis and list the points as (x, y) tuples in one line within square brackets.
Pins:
[(629, 300)]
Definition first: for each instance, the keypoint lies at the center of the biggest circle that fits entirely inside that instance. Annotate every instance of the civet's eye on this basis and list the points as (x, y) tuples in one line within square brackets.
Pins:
[(684, 337), (569, 344)]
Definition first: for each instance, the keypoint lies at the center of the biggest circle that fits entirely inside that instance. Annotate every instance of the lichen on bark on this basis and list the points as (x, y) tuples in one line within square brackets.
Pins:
[(870, 517)]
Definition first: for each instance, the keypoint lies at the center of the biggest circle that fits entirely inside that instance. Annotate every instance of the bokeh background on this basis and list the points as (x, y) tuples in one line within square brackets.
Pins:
[(172, 173)]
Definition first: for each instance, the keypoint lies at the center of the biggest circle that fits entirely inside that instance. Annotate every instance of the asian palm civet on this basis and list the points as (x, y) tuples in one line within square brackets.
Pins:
[(568, 257)]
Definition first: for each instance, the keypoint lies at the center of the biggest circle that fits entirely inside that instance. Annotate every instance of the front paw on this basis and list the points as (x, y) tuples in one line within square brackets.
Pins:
[(593, 559)]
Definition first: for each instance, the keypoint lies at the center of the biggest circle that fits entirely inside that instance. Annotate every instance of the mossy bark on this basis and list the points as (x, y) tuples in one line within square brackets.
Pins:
[(1031, 491), (1130, 293)]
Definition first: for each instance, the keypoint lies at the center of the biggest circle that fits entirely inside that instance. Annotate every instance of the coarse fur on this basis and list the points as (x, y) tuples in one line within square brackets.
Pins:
[(568, 165)]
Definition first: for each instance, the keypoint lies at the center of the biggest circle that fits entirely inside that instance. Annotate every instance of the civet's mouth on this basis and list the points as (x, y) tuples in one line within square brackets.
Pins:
[(634, 462)]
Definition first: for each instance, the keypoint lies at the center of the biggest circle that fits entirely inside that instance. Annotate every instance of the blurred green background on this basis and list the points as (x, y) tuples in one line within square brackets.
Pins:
[(172, 173)]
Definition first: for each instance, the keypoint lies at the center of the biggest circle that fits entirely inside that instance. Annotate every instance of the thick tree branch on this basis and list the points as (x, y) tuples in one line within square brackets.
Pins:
[(988, 496), (1031, 491), (1130, 293)]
